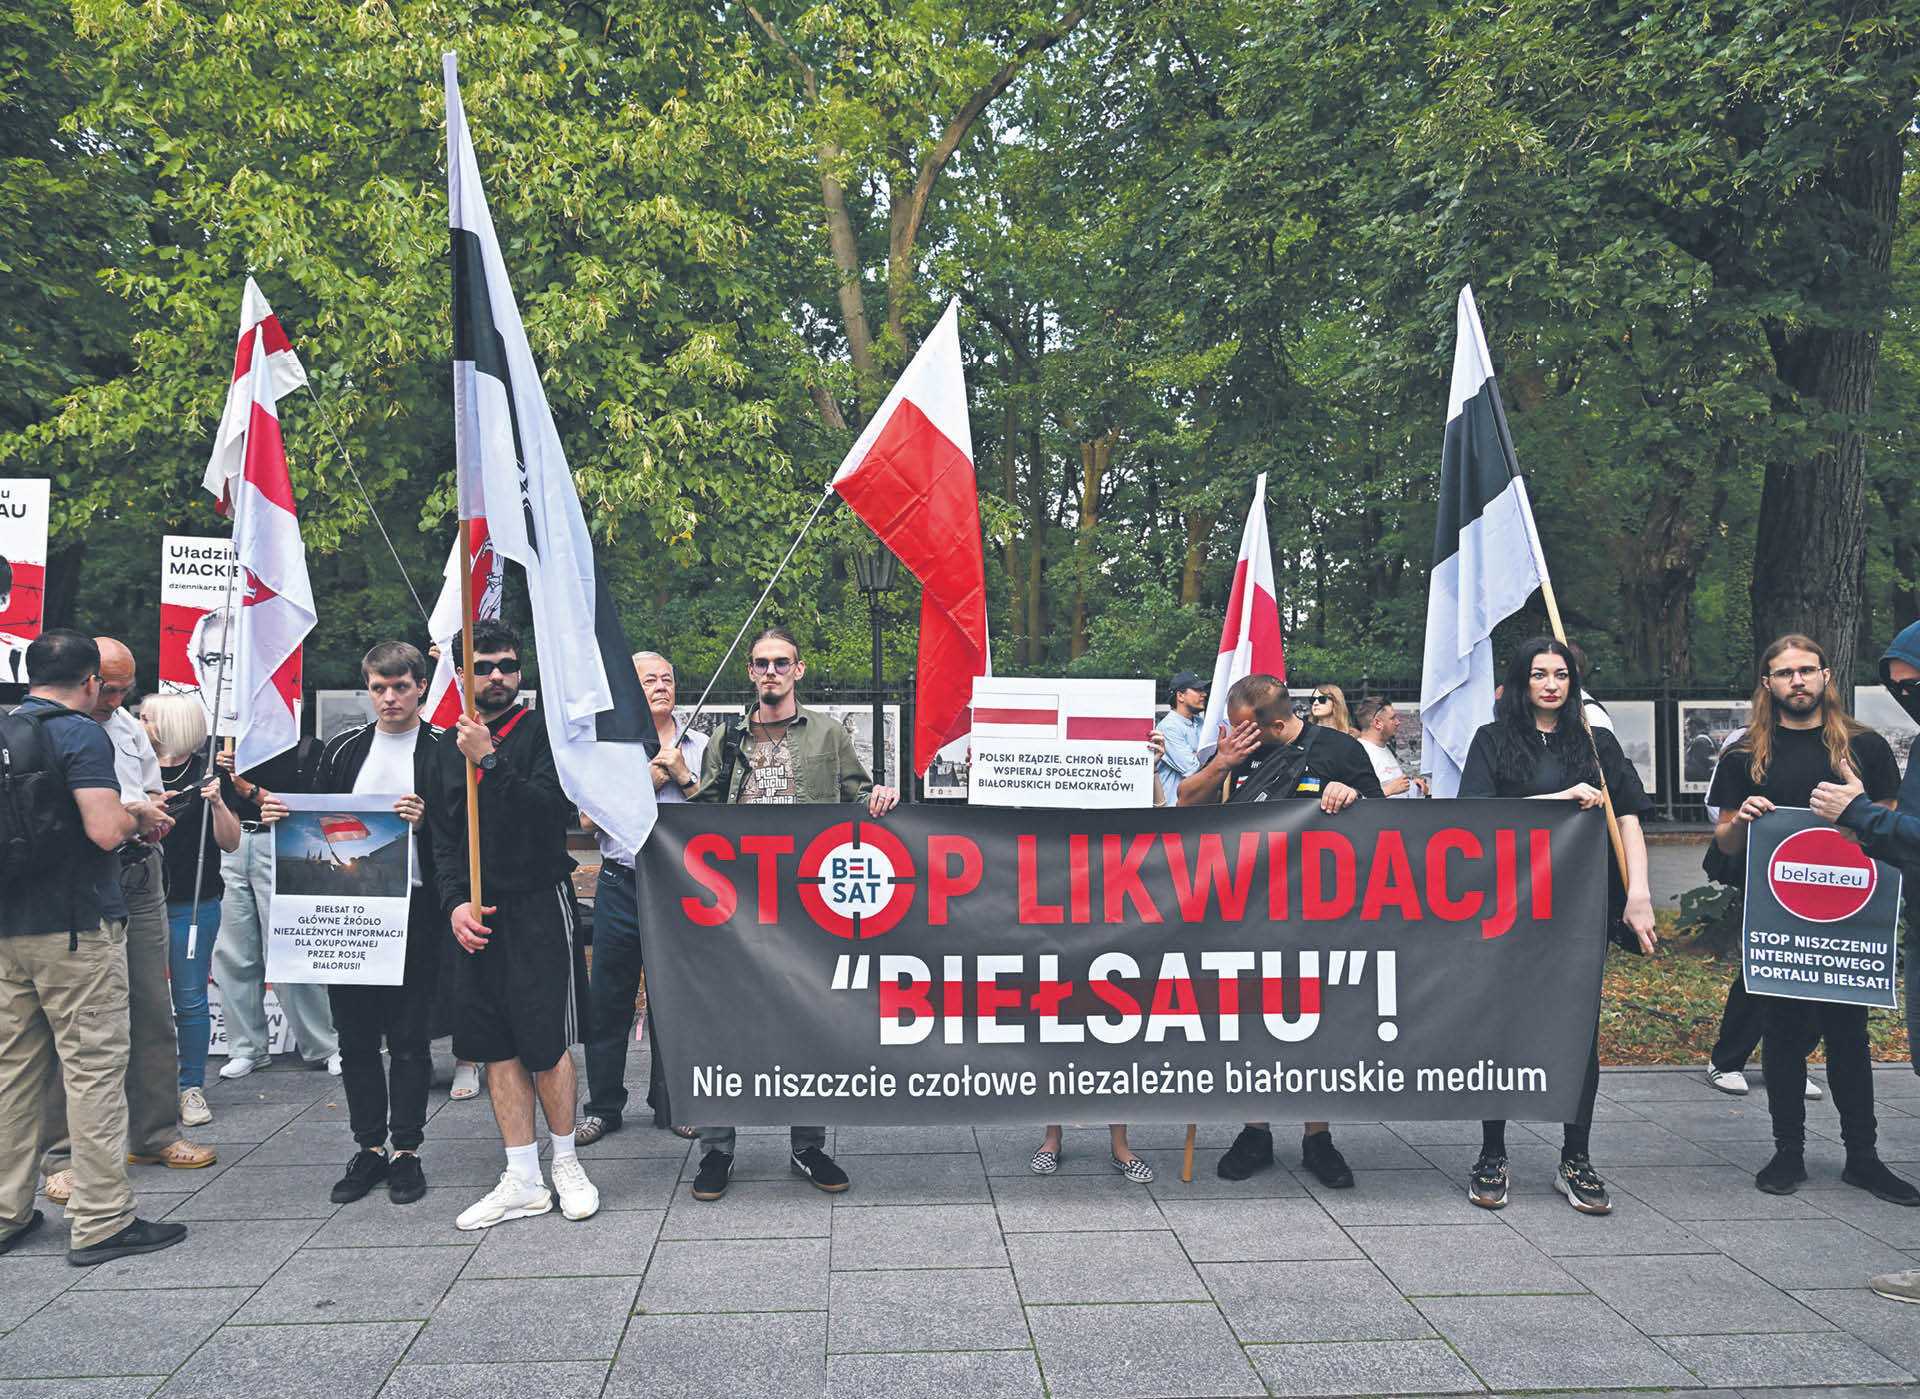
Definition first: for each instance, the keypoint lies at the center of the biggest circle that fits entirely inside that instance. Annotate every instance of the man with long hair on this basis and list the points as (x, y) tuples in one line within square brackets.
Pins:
[(1799, 736)]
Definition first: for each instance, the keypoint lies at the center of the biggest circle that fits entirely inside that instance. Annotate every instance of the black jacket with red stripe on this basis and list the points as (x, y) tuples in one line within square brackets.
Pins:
[(524, 814)]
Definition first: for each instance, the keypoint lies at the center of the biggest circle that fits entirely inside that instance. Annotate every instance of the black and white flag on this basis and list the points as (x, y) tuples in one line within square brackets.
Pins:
[(513, 473), (1487, 558)]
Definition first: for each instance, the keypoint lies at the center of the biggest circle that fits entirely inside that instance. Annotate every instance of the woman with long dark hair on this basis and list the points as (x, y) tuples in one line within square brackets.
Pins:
[(1539, 746)]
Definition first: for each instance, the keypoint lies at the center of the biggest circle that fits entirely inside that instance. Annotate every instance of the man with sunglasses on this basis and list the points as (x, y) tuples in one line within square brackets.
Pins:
[(519, 992), (781, 752)]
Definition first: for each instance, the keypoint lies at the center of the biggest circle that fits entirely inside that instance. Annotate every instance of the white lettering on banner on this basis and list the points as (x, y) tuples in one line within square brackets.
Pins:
[(1828, 876)]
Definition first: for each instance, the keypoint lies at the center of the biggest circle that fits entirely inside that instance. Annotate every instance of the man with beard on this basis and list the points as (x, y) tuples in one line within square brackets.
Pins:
[(1797, 738), (519, 993), (1271, 753)]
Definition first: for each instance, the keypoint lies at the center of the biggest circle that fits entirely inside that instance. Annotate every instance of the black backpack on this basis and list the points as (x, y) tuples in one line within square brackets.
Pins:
[(39, 819)]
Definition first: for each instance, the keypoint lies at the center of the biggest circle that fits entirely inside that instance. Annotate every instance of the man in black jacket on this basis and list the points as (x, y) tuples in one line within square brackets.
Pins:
[(519, 993), (395, 753)]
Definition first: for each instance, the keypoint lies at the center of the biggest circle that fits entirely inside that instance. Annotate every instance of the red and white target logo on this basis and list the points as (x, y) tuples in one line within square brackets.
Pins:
[(1821, 876), (856, 879)]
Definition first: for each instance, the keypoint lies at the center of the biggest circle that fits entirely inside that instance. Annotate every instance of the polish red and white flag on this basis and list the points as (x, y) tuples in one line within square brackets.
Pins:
[(444, 695), (1250, 642), (284, 375), (910, 479), (276, 600), (1062, 714)]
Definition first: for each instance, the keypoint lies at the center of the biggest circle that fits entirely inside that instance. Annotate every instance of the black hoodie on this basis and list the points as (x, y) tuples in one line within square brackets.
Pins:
[(1894, 835)]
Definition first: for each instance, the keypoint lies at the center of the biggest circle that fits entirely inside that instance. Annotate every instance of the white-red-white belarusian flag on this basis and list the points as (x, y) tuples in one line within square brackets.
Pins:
[(910, 479), (1250, 642), (284, 375), (444, 696), (276, 600)]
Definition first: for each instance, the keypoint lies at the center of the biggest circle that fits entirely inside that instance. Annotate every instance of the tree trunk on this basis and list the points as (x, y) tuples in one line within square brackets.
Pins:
[(1199, 527), (1094, 457), (1010, 484), (1812, 531), (1036, 548), (1662, 570)]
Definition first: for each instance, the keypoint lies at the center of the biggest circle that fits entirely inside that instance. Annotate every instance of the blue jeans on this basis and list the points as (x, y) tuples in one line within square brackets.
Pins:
[(189, 977)]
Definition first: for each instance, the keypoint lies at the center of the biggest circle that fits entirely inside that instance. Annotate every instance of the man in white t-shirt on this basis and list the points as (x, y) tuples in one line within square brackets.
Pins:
[(1379, 724)]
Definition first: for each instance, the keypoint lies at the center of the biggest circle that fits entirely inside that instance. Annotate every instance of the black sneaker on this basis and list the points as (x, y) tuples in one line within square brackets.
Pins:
[(20, 1235), (1581, 1184), (1783, 1175), (818, 1167), (366, 1170), (1319, 1155), (1870, 1173), (1251, 1151), (716, 1169), (406, 1182), (141, 1236), (1487, 1187)]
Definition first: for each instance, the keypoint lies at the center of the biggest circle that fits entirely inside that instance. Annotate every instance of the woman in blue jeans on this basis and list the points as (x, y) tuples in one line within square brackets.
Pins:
[(177, 724)]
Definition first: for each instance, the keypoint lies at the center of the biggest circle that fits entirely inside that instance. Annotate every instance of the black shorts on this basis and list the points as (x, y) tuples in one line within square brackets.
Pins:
[(524, 995)]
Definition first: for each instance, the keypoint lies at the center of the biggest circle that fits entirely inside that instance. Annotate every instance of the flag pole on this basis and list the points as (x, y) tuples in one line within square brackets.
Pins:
[(466, 683)]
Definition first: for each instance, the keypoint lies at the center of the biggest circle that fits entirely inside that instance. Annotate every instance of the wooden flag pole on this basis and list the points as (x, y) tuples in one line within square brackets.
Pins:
[(466, 684), (1606, 797), (1186, 1164)]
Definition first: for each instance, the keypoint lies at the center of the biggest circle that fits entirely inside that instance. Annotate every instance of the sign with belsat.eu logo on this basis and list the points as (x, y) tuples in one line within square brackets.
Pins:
[(1822, 915)]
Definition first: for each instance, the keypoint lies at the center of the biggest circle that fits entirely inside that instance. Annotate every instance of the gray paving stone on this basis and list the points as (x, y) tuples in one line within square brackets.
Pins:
[(527, 1319), (1053, 1204), (115, 1333), (1692, 1295), (234, 1253), (1838, 1391), (753, 1209), (1531, 1164), (1559, 1231), (340, 1361), (611, 1244), (1722, 1119), (1645, 1144), (264, 1192), (471, 1118), (988, 1373), (638, 1137), (1551, 1343), (1776, 1360), (1256, 1231), (1689, 1193), (28, 1284), (1802, 1253), (918, 1236), (305, 1144), (737, 1275), (1442, 1259), (954, 1179), (890, 1141), (555, 1379), (1403, 1197), (1207, 1184), (1172, 1136), (722, 1357), (247, 1124), (343, 1284), (376, 1222), (629, 1182), (1368, 1146), (122, 1387), (1690, 1086), (1127, 1267), (1084, 1151), (925, 1309), (1154, 1351), (1372, 1367), (1891, 1224), (1900, 1139), (1892, 1328), (1312, 1302), (1825, 1159)]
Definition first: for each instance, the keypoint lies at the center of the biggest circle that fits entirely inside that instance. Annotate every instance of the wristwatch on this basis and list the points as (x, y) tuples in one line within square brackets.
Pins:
[(488, 763)]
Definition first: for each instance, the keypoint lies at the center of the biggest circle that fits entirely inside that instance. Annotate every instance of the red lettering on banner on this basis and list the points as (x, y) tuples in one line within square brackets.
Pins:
[(1506, 876), (1278, 908), (767, 850), (944, 881), (1540, 843), (1451, 841), (1120, 878), (1079, 897), (1114, 995), (1390, 880), (1316, 901), (1209, 875), (725, 900), (1273, 994), (1031, 909), (1173, 995)]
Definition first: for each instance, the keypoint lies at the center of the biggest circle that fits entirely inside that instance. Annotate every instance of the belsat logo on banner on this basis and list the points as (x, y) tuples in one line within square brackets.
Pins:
[(1821, 916), (196, 626), (23, 573), (1394, 961)]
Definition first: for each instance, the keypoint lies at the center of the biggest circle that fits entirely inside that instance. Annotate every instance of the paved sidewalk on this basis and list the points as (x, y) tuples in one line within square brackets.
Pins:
[(949, 1271)]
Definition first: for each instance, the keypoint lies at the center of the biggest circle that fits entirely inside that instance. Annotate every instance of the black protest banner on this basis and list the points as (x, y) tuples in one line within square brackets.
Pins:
[(1397, 960), (1821, 915)]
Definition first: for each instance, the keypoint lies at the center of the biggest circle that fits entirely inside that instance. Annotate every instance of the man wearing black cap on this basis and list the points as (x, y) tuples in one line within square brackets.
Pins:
[(1181, 728)]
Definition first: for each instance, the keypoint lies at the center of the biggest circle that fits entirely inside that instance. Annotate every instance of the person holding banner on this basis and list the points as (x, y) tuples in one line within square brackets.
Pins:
[(781, 752), (1270, 753), (519, 993), (1799, 736), (1533, 749)]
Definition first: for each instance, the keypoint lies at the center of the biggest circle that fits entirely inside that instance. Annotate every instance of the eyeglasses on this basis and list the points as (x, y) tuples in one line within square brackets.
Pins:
[(489, 667), (1805, 672), (771, 665)]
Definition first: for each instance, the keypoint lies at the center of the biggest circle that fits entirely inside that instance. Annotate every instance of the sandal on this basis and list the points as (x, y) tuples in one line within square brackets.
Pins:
[(689, 1133), (1044, 1162), (466, 1082), (1136, 1170)]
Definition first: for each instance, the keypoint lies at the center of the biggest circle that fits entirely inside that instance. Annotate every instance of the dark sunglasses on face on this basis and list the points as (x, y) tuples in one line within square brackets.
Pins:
[(768, 665), (489, 667), (1904, 690)]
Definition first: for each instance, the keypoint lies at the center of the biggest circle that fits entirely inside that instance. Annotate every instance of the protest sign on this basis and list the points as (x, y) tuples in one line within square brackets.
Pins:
[(1822, 915), (1061, 743), (1396, 960), (343, 869), (196, 625), (23, 573)]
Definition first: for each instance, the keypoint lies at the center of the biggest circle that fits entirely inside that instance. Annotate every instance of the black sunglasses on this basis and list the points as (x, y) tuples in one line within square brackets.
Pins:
[(1904, 690), (489, 667)]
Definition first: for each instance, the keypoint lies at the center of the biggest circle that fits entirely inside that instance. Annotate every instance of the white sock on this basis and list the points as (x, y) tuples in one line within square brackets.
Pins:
[(562, 1146), (524, 1162)]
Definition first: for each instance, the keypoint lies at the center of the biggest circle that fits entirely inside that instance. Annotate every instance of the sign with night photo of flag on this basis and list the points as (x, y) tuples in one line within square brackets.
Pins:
[(343, 871), (1061, 743)]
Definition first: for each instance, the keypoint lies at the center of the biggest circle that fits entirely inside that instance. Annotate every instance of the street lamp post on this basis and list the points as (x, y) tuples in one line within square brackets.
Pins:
[(877, 572)]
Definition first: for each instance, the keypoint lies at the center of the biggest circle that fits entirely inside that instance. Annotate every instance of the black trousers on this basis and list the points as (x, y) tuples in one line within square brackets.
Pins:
[(1742, 1026), (1577, 1131), (390, 1101), (1793, 1029), (612, 985)]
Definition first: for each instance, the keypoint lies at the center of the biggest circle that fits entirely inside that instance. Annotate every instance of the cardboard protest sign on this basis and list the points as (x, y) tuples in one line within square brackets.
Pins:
[(1061, 743), (1822, 916), (343, 872)]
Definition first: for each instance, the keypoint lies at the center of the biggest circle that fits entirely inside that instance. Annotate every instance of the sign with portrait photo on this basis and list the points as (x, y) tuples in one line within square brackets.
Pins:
[(343, 870), (197, 634), (23, 573)]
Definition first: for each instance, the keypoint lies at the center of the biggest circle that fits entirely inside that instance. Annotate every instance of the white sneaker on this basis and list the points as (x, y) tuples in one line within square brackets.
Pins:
[(333, 1065), (1814, 1091), (1728, 1080), (194, 1111), (512, 1198), (578, 1196), (241, 1067)]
